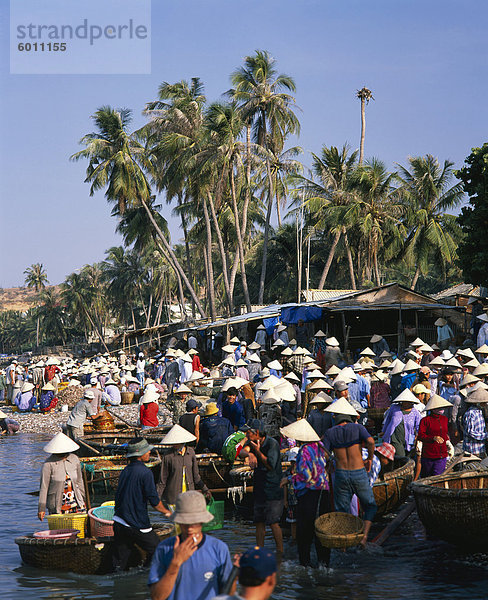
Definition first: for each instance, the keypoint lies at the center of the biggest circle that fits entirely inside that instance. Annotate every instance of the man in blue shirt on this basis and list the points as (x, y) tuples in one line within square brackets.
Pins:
[(192, 565), (232, 410), (131, 522)]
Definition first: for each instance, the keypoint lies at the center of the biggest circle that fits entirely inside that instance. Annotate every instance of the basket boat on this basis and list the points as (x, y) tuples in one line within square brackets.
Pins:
[(87, 556), (103, 472), (454, 507), (115, 441), (339, 530), (394, 489)]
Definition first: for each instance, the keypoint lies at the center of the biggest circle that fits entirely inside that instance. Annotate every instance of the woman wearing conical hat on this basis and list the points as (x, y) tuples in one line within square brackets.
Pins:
[(433, 433), (48, 399), (61, 489)]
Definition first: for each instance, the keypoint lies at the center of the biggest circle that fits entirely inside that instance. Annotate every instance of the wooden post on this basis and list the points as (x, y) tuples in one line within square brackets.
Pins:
[(344, 330), (399, 332)]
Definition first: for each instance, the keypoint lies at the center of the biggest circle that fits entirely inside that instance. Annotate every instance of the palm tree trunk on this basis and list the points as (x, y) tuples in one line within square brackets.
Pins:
[(37, 332), (181, 297), (188, 257), (264, 262), (175, 261), (210, 280), (330, 258), (376, 269), (349, 259), (240, 245), (278, 210), (415, 278), (223, 256), (363, 130)]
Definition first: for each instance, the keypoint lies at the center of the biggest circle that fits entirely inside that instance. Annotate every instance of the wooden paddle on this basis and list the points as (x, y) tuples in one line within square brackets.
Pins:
[(393, 525)]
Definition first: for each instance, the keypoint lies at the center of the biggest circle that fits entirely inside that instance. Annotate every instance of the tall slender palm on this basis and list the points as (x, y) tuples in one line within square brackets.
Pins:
[(328, 195), (264, 104), (365, 96), (118, 162), (36, 277), (428, 193), (52, 316)]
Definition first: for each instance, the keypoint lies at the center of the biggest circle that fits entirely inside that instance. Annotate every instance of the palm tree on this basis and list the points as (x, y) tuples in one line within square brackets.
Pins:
[(328, 195), (119, 162), (268, 110), (52, 316), (36, 277), (376, 213), (365, 96), (428, 194)]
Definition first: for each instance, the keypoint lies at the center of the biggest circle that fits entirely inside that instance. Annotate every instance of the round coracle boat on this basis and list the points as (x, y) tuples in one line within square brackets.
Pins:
[(454, 507), (394, 488), (339, 530)]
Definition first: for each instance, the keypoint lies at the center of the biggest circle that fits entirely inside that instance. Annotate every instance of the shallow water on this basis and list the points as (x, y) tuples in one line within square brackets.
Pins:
[(408, 567)]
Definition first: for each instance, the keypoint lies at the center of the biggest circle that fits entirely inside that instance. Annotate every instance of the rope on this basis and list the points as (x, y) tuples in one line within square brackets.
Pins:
[(215, 469)]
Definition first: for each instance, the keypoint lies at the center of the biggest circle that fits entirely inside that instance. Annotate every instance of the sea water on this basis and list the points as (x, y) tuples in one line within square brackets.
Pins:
[(409, 566)]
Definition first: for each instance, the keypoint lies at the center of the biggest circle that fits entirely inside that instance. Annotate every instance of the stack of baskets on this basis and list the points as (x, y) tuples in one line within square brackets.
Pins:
[(69, 521), (102, 520)]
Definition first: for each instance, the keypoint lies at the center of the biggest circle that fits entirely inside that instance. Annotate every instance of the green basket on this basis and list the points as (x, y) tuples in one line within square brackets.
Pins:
[(216, 507)]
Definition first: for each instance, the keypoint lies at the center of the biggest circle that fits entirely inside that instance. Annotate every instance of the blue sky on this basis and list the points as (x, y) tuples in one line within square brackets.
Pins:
[(425, 61)]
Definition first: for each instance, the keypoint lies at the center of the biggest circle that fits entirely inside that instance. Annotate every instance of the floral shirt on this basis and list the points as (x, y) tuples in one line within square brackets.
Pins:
[(311, 469)]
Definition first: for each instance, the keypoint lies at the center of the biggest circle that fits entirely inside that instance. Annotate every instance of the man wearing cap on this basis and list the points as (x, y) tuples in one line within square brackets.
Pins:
[(257, 575), (131, 520), (192, 565), (214, 430), (80, 412), (191, 419), (267, 493), (351, 476)]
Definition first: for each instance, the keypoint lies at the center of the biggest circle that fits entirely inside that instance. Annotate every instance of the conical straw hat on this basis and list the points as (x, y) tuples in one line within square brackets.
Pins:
[(241, 363), (196, 375), (239, 382), (437, 402), (396, 367), (376, 338), (481, 370), (254, 346), (301, 431), (254, 358), (49, 387), (386, 354), (235, 340), (367, 352), (467, 352), (287, 352), (482, 349), (60, 444), (229, 361), (320, 333), (417, 342), (406, 396), (321, 398), (453, 362), (270, 397), (411, 366), (320, 384), (315, 374), (3, 415), (285, 391), (342, 407), (274, 364), (437, 362), (178, 435), (467, 379), (472, 363), (332, 341), (182, 389), (278, 343), (292, 377)]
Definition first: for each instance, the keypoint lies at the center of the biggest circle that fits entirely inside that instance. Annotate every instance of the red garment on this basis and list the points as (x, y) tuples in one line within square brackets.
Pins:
[(196, 365), (380, 395), (320, 359), (431, 426), (149, 414), (50, 372)]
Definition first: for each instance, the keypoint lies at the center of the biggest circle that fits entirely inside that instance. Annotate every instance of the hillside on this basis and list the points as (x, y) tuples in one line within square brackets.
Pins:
[(17, 298)]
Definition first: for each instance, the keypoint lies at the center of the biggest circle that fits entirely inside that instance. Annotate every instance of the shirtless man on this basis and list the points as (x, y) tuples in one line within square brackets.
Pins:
[(346, 440)]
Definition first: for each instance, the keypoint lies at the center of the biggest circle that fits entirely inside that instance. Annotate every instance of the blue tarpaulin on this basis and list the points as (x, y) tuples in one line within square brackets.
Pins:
[(293, 314), (270, 324)]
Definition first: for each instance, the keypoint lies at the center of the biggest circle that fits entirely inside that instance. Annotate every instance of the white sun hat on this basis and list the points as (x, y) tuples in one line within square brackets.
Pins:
[(406, 396), (332, 341), (292, 377), (446, 355), (270, 397), (178, 435), (375, 338), (60, 444), (276, 365), (417, 342), (367, 352), (301, 431), (342, 407), (149, 396), (319, 333), (437, 402), (182, 389)]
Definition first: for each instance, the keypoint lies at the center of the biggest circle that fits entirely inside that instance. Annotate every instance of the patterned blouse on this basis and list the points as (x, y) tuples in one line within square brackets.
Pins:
[(311, 468)]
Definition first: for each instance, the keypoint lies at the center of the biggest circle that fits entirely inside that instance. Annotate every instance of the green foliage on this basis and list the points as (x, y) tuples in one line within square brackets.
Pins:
[(473, 250)]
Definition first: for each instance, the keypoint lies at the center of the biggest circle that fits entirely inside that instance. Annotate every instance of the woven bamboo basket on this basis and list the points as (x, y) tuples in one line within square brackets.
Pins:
[(126, 397), (87, 556), (394, 488), (339, 530), (454, 507)]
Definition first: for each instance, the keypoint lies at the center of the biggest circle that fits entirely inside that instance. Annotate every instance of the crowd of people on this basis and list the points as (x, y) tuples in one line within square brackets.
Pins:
[(318, 427)]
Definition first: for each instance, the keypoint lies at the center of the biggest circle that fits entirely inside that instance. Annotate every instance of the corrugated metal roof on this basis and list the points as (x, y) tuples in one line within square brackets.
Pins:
[(312, 295), (462, 289)]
